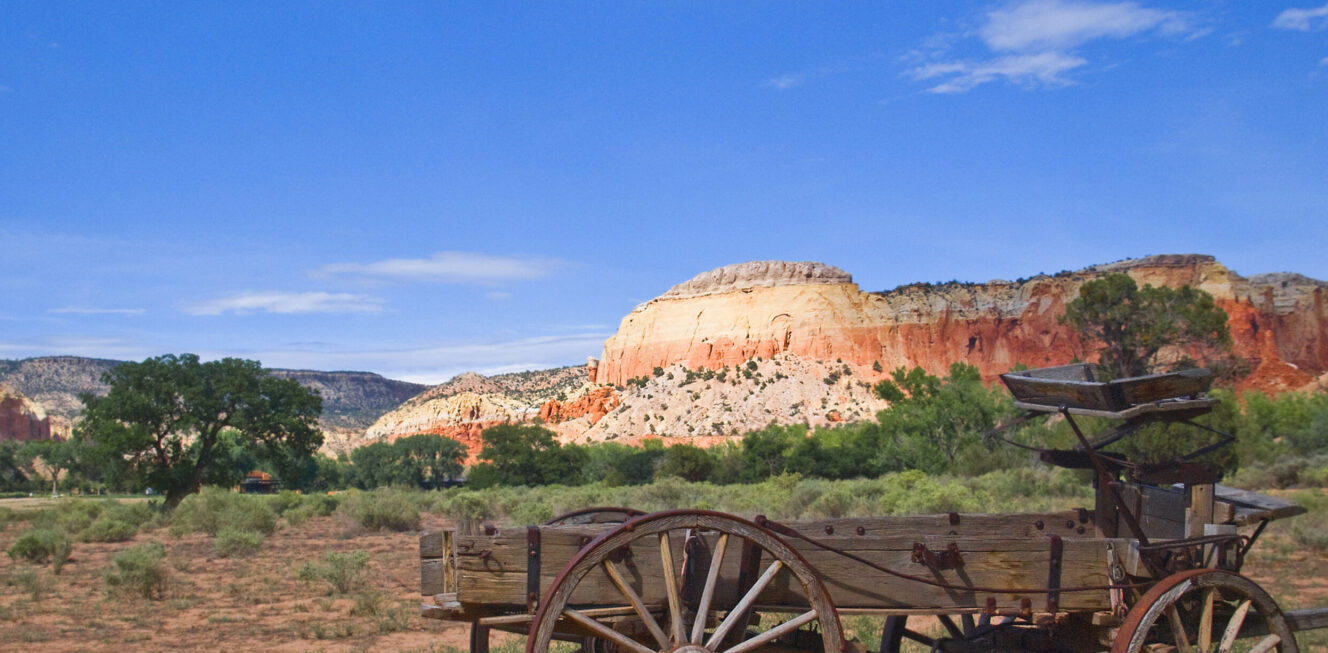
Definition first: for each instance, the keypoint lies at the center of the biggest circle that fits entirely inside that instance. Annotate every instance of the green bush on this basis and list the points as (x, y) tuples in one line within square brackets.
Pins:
[(383, 509), (139, 571), (343, 572), (107, 529), (42, 546), (233, 542), (299, 514), (213, 509), (69, 515), (284, 500)]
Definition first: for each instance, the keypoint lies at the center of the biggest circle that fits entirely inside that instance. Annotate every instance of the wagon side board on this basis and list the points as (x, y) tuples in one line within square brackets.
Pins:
[(491, 571)]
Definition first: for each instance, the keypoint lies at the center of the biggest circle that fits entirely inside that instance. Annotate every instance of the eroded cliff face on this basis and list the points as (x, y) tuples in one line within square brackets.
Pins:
[(21, 419), (1279, 323)]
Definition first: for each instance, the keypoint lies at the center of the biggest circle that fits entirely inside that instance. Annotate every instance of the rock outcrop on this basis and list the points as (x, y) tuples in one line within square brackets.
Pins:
[(726, 316), (469, 403), (21, 419)]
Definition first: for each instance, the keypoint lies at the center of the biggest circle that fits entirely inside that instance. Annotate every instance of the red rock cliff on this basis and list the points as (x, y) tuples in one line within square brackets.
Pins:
[(731, 314), (21, 419)]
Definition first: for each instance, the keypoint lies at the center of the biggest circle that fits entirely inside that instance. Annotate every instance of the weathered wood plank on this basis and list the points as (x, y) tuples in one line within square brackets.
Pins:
[(492, 570), (431, 544), (433, 577), (1311, 619)]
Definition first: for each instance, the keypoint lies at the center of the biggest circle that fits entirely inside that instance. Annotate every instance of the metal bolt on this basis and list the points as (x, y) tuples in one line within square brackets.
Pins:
[(1039, 525), (862, 531), (829, 530)]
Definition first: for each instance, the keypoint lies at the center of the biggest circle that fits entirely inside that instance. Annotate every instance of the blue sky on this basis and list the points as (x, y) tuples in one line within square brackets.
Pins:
[(420, 189)]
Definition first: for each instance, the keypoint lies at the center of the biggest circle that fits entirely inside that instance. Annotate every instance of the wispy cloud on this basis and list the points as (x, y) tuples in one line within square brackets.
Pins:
[(5, 89), (1042, 25), (785, 82), (448, 267), (287, 303), (1302, 20), (497, 296), (1032, 43), (1030, 70), (84, 310)]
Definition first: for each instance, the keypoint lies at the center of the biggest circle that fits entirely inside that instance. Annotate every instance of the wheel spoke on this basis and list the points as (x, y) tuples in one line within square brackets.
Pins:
[(1178, 630), (773, 633), (1233, 628), (671, 588), (1206, 621), (637, 604), (1266, 644), (731, 619), (606, 632), (708, 594)]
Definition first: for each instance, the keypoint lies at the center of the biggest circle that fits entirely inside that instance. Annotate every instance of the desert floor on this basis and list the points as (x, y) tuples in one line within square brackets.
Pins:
[(258, 603)]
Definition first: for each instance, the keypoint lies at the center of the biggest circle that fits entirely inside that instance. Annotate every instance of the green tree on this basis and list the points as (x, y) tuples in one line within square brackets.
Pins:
[(57, 457), (428, 459), (374, 465), (163, 419), (938, 420), (1132, 328), (526, 455), (12, 476), (686, 461)]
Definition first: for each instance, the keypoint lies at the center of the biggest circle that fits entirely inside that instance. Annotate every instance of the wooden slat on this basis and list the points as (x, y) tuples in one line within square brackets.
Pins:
[(431, 544), (499, 577), (1310, 619)]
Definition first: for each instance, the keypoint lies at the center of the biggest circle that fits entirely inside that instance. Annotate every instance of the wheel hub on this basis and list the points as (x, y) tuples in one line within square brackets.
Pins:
[(691, 648)]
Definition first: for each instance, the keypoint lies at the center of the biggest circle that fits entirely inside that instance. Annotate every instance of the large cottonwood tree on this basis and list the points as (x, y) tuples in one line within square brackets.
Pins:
[(163, 420)]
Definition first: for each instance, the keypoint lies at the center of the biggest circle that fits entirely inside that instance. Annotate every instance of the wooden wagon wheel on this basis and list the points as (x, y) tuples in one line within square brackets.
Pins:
[(1205, 611), (596, 515), (675, 634)]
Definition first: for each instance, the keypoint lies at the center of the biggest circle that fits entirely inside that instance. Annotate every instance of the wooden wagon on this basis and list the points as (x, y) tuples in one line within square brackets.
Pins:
[(1153, 565)]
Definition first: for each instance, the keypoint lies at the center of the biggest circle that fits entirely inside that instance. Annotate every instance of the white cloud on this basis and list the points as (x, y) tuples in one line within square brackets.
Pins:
[(83, 310), (1323, 61), (287, 303), (448, 267), (785, 82), (1302, 20), (1041, 25), (1043, 69), (1032, 42), (498, 296)]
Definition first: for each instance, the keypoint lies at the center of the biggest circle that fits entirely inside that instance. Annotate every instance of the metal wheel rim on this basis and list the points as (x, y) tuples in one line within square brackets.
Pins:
[(1154, 610)]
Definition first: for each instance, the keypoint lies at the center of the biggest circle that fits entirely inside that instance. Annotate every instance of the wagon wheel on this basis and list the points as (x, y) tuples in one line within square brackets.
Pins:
[(707, 628), (1205, 610), (598, 515)]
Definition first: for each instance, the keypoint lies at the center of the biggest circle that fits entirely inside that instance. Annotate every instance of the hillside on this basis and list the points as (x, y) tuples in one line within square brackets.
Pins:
[(801, 343), (351, 400)]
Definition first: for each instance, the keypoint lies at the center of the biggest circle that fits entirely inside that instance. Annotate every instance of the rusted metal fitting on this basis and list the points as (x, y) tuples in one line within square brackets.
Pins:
[(950, 558), (862, 531), (1039, 525), (954, 519), (829, 530), (490, 529)]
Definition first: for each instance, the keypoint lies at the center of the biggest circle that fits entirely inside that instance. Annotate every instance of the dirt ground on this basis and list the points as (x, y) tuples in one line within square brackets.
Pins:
[(253, 603), (258, 603)]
